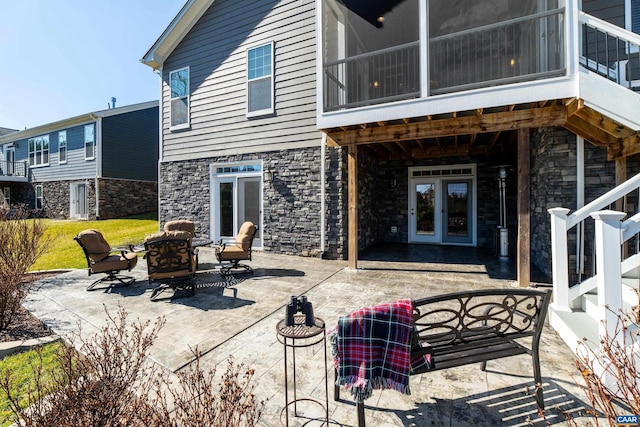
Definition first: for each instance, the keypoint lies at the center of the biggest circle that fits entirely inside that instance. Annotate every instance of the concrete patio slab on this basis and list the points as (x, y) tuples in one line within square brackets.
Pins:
[(238, 316)]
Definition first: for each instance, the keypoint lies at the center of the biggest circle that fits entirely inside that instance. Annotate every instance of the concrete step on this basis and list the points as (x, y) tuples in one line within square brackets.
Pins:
[(574, 326)]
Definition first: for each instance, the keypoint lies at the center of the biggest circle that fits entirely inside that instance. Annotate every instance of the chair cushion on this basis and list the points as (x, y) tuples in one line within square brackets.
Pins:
[(181, 225), (96, 246), (115, 263), (245, 235), (231, 252), (168, 235)]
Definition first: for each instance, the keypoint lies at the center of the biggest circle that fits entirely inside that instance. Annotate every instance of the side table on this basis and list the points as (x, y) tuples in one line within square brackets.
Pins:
[(297, 336)]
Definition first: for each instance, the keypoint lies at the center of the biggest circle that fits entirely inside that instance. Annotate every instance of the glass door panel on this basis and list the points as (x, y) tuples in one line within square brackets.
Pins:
[(457, 212), (424, 203), (249, 201), (225, 210)]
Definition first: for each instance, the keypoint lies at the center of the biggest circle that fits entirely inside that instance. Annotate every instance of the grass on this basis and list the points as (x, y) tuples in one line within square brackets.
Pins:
[(21, 365), (65, 252)]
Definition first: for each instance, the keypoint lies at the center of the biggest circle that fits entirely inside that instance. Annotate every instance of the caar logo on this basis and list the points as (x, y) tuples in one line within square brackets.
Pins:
[(627, 420)]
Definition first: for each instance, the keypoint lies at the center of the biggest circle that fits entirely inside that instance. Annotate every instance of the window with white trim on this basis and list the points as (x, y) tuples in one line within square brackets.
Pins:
[(260, 91), (62, 147), (6, 193), (39, 151), (89, 142), (179, 85), (39, 197)]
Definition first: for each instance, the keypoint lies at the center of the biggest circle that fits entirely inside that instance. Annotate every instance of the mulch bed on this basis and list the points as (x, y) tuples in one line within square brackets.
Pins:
[(24, 325)]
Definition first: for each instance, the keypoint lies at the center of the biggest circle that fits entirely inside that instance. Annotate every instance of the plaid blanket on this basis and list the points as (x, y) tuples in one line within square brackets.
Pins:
[(372, 349)]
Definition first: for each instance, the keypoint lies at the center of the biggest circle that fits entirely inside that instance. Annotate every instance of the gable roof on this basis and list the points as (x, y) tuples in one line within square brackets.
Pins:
[(179, 27), (72, 121), (4, 131)]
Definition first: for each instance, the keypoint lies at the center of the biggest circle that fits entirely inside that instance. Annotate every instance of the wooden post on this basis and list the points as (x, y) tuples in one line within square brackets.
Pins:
[(524, 215), (352, 169)]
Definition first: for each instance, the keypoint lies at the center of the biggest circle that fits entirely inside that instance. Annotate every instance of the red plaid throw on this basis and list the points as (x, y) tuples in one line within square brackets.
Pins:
[(372, 349)]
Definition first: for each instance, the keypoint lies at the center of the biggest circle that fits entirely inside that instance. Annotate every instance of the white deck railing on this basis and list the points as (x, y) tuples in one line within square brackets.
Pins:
[(610, 234)]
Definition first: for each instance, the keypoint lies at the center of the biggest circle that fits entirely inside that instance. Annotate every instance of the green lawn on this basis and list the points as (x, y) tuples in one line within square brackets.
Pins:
[(65, 252), (21, 366)]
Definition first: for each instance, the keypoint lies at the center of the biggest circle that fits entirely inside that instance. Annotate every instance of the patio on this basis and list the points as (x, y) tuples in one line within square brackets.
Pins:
[(238, 316)]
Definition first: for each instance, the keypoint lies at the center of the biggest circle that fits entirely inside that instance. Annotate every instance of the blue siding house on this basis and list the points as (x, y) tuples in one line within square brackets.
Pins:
[(98, 165)]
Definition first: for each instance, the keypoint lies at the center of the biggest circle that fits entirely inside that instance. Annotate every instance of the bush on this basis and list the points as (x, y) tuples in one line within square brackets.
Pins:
[(22, 244), (617, 393), (110, 382)]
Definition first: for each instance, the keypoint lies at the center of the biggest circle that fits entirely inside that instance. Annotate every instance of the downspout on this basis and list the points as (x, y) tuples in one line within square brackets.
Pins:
[(98, 154), (160, 139), (323, 222)]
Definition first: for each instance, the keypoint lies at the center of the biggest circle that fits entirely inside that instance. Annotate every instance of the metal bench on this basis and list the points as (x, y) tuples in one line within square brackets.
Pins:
[(461, 328)]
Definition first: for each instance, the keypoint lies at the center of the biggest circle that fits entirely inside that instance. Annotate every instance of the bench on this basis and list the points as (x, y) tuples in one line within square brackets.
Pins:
[(476, 326)]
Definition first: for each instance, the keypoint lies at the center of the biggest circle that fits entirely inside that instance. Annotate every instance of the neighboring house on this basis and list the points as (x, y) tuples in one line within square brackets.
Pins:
[(4, 131), (98, 165)]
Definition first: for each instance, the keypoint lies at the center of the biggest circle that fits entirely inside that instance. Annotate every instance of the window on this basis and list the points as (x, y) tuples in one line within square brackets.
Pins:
[(39, 151), (179, 84), (6, 192), (62, 146), (260, 90), (38, 201), (89, 142)]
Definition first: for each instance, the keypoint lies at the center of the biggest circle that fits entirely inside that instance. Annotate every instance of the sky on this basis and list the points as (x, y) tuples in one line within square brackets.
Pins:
[(64, 58)]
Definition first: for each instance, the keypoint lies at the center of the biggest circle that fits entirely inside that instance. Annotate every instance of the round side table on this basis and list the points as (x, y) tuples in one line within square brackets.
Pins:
[(296, 336)]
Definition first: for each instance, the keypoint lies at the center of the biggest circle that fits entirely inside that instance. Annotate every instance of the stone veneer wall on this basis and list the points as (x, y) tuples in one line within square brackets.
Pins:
[(56, 198), (119, 198), (291, 201), (554, 184), (391, 205)]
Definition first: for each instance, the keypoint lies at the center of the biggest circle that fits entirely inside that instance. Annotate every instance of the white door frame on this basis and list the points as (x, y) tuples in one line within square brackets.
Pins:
[(235, 174), (440, 176), (75, 205)]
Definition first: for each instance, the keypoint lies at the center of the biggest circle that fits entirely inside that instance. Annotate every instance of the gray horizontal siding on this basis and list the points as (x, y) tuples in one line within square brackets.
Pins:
[(609, 10), (75, 168), (215, 51)]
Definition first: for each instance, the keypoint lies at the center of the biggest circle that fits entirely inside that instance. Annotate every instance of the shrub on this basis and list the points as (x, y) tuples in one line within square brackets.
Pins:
[(110, 382), (22, 244), (197, 402), (618, 356)]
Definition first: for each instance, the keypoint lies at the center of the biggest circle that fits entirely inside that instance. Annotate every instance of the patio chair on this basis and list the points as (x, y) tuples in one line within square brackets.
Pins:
[(181, 225), (171, 262), (101, 260), (184, 225), (232, 252)]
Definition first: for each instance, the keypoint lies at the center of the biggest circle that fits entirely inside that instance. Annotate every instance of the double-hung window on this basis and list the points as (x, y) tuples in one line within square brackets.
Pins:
[(62, 147), (260, 91), (89, 142), (39, 151), (39, 197), (179, 85)]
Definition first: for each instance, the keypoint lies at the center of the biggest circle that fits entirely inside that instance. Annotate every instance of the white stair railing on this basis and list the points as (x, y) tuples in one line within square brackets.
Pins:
[(610, 234)]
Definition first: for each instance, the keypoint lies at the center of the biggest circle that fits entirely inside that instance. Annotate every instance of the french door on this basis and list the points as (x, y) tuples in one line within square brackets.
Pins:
[(237, 199), (442, 207)]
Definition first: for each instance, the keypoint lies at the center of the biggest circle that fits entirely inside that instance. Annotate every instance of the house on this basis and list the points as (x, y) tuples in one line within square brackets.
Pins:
[(98, 165), (338, 124)]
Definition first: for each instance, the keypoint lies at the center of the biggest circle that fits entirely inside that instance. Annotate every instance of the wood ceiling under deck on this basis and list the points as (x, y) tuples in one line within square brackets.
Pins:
[(482, 131)]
